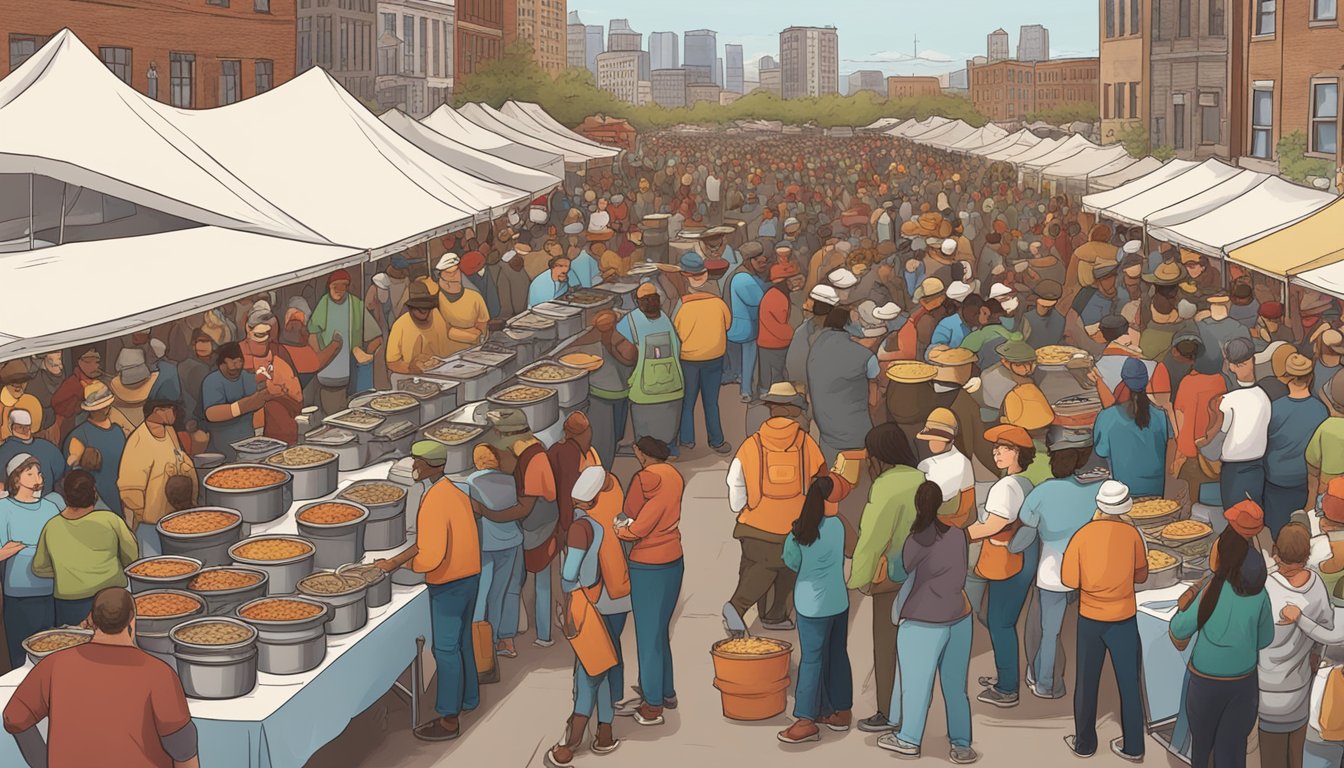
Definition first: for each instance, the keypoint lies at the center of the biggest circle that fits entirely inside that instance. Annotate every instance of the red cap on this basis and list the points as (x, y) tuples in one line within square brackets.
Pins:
[(337, 276), (1246, 517), (782, 271), (1271, 310), (472, 262)]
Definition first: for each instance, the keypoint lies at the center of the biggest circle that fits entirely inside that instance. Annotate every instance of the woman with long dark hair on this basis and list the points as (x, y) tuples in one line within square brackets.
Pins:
[(815, 550), (1233, 622), (1135, 434), (934, 634)]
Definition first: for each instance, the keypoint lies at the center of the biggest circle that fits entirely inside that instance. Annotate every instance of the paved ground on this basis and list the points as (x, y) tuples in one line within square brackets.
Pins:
[(523, 715)]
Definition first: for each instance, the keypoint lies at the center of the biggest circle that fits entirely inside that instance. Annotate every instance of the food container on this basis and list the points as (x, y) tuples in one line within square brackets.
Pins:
[(459, 448), (380, 585), (395, 406), (492, 356), (386, 526), (215, 671), (1077, 411), (590, 300), (289, 647), (315, 470), (1147, 521), (258, 504), (151, 632), (349, 606), (356, 419), (336, 543), (624, 291), (753, 686), (210, 547), (437, 396), (568, 320), (255, 449), (541, 411), (351, 452), (570, 384), (1164, 577), (33, 644), (541, 327), (392, 439), (220, 602), (142, 583), (474, 380), (283, 574)]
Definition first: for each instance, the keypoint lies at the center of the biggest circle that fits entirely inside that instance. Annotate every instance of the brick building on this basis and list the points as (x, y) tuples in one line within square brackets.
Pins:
[(415, 55), (194, 55), (342, 39), (541, 23), (480, 34), (909, 86), (1124, 44), (1010, 90), (1188, 71), (667, 87)]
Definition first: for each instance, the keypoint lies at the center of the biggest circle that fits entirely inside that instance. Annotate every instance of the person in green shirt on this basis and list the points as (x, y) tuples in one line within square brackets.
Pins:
[(1234, 622), (883, 529), (83, 549), (1325, 451)]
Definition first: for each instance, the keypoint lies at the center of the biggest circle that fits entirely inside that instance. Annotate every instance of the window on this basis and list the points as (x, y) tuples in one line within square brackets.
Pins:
[(1159, 131), (1120, 101), (1178, 121), (1216, 19), (1106, 101), (1182, 18), (324, 41), (1135, 14), (230, 82), (152, 82), (21, 47), (424, 46), (1110, 18), (436, 57), (220, 3), (408, 45), (1262, 122), (265, 75), (261, 6), (119, 61), (1265, 11), (1323, 10), (1324, 116), (1133, 100), (345, 44), (1157, 20), (1120, 18), (389, 23), (182, 79), (304, 45), (1210, 119)]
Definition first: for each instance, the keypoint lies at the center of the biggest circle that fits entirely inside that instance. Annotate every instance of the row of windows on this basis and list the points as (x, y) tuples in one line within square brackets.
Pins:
[(1210, 124), (1267, 13), (1116, 97), (1323, 138), (1052, 75), (1186, 12), (259, 6), (1115, 18)]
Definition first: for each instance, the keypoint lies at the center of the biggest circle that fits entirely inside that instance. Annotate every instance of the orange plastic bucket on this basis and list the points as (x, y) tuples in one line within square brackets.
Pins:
[(753, 687)]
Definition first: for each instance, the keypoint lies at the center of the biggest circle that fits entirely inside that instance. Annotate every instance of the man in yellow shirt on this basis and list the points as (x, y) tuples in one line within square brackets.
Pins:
[(14, 395), (419, 335), (153, 454), (701, 320), (448, 551), (462, 308)]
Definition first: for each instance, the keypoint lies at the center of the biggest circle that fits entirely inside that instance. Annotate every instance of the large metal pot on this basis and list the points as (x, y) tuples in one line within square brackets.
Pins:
[(255, 449), (210, 547), (216, 671), (256, 505), (459, 448), (151, 632), (540, 327), (495, 357), (380, 584), (437, 396), (289, 647), (282, 576), (221, 602), (336, 544), (541, 413), (312, 479), (140, 583), (350, 609), (35, 656), (386, 527), (474, 380), (351, 452), (568, 320), (571, 388)]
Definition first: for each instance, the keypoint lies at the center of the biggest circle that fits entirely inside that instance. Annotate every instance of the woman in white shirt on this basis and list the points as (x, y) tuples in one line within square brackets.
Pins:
[(948, 467)]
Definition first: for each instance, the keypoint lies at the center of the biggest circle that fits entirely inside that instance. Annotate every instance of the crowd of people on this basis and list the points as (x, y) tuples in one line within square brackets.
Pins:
[(891, 318)]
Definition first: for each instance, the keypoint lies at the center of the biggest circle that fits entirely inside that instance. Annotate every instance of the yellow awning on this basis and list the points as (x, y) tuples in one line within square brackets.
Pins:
[(1311, 243)]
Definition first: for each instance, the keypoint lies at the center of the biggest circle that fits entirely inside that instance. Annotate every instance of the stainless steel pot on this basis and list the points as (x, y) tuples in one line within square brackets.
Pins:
[(541, 328), (216, 671), (386, 527), (459, 451), (282, 576), (211, 548), (541, 413), (256, 448), (571, 390), (380, 584), (314, 479), (256, 505), (35, 656), (351, 453), (1165, 577), (222, 602), (140, 583), (503, 359), (568, 320), (151, 632), (350, 609), (336, 544), (290, 647), (474, 381), (437, 396)]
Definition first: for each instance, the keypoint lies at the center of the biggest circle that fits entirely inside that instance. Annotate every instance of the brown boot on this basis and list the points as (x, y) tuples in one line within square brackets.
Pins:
[(838, 721), (605, 742), (562, 754)]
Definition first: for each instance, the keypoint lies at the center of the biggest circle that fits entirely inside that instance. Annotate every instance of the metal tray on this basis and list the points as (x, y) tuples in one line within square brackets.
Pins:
[(341, 420), (1167, 577), (571, 390), (541, 413)]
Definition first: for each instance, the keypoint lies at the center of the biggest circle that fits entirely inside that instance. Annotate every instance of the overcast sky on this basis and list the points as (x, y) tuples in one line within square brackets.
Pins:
[(874, 34)]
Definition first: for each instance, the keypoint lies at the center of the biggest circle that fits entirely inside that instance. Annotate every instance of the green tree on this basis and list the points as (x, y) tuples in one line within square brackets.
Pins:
[(1294, 163), (1136, 140)]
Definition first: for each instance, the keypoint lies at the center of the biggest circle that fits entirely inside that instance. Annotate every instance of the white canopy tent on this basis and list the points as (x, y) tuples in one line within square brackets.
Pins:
[(947, 135), (932, 129), (492, 119), (1172, 169), (1033, 161), (909, 127), (447, 122), (1079, 165), (1201, 178), (984, 136), (1023, 139), (1211, 224), (1024, 149), (528, 111), (469, 160), (882, 124), (1120, 171)]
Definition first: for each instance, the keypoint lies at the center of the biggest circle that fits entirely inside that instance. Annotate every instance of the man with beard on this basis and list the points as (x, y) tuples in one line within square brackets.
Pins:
[(48, 374), (746, 288), (67, 399), (820, 301), (153, 454), (551, 284), (648, 341), (776, 333), (342, 317), (276, 375), (462, 307)]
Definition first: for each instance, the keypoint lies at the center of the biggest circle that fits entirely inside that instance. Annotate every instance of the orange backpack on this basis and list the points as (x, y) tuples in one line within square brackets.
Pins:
[(782, 474), (1332, 706)]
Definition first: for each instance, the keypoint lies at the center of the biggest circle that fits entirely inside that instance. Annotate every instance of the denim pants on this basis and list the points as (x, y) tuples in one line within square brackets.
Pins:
[(608, 418), (147, 536), (923, 649), (1320, 753), (603, 692), (825, 681), (542, 608), (1006, 598), (732, 362), (500, 591), (1240, 480), (703, 379), (1222, 714), (748, 368), (1121, 640), (70, 613), (1280, 504), (1053, 605), (654, 590), (771, 365), (451, 607), (23, 617)]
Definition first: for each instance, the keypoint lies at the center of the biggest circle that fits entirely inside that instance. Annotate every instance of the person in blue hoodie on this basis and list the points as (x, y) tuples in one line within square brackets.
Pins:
[(745, 291)]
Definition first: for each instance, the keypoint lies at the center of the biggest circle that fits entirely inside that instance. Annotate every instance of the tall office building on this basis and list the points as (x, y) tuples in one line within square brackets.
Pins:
[(595, 45), (576, 42), (718, 71), (663, 50), (733, 69), (810, 60), (541, 23), (767, 62), (620, 37), (867, 80), (700, 52), (1033, 43), (997, 45)]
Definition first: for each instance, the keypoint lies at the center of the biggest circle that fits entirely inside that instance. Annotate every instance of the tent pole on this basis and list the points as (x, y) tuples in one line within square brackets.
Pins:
[(61, 238), (32, 236)]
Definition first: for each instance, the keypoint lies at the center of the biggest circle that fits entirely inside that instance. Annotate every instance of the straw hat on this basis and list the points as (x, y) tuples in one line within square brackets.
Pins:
[(96, 396), (941, 424)]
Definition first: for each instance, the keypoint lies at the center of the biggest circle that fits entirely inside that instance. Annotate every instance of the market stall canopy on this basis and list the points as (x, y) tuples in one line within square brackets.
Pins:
[(1023, 139), (1201, 178), (947, 135), (529, 112), (933, 127), (575, 151), (82, 292), (882, 124), (1084, 162), (467, 159), (1302, 249), (447, 122), (1112, 176), (1209, 224), (1102, 200), (1034, 160), (1328, 279), (984, 136), (1024, 149), (915, 127)]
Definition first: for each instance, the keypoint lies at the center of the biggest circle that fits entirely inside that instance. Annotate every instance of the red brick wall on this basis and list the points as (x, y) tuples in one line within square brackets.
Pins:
[(153, 29), (1300, 50)]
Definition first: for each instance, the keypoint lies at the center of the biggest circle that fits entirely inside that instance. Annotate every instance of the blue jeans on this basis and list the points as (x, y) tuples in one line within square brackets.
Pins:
[(604, 691), (654, 590), (147, 536), (1053, 605), (23, 617), (498, 595), (1319, 753), (825, 681), (1095, 640), (1280, 504), (1222, 715), (541, 593), (1240, 480), (923, 649), (732, 362), (1006, 599), (747, 368), (608, 418), (451, 607), (70, 613), (703, 379)]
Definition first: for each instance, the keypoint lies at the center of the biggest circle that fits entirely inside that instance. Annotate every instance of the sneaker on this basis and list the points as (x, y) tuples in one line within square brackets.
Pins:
[(1058, 693), (838, 721), (1117, 746), (997, 698), (988, 682), (786, 625), (723, 448), (604, 743), (439, 729), (893, 743), (877, 723), (1071, 741), (647, 715), (543, 643), (669, 702), (799, 732), (688, 446), (963, 755)]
